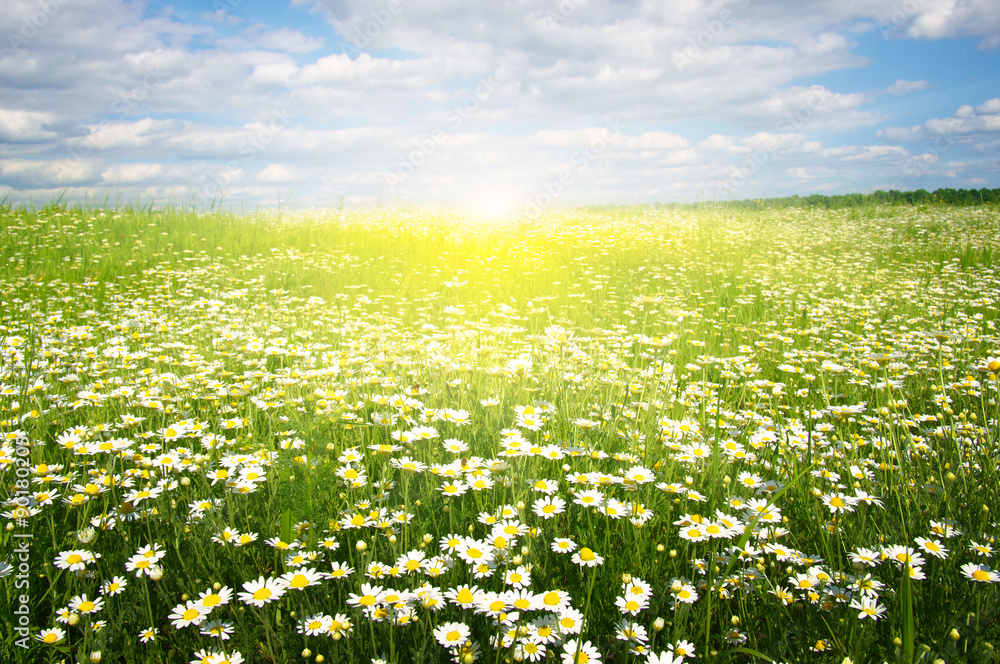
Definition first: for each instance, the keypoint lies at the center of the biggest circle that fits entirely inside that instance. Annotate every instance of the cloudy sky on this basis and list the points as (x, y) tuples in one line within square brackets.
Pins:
[(498, 104)]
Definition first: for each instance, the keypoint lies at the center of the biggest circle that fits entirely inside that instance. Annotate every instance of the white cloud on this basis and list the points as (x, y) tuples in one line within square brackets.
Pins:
[(966, 124), (25, 126), (902, 87), (162, 100), (276, 173)]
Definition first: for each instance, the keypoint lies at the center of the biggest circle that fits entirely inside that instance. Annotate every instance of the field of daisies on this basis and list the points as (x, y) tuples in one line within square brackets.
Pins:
[(607, 435)]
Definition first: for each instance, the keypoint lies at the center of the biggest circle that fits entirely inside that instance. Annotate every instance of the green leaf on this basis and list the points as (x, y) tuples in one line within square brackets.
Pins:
[(751, 651)]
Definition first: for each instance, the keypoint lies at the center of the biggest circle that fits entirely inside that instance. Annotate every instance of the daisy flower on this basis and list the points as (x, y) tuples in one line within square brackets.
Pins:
[(475, 552), (519, 577), (549, 506), (114, 586), (452, 634), (315, 625), (370, 595), (148, 635), (529, 650), (868, 608), (51, 636), (75, 560), (217, 628), (575, 652), (631, 605), (263, 590), (464, 596), (589, 498), (569, 621), (191, 613), (683, 649), (302, 578), (563, 545), (587, 558), (340, 570), (81, 604), (552, 600), (212, 598), (981, 573), (933, 547)]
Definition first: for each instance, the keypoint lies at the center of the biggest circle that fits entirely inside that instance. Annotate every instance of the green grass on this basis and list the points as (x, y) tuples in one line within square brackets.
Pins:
[(822, 353)]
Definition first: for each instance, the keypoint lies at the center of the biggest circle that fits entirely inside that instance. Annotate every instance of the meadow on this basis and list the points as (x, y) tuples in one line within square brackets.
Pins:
[(619, 435)]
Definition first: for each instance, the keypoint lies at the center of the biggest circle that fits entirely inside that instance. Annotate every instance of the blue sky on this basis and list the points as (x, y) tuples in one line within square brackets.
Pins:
[(500, 105)]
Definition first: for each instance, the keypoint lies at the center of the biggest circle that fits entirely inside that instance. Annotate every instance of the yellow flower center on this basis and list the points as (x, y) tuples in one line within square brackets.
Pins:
[(263, 593), (586, 554)]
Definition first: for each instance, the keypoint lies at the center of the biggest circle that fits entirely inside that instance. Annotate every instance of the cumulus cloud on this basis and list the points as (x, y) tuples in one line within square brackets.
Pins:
[(902, 87), (415, 101)]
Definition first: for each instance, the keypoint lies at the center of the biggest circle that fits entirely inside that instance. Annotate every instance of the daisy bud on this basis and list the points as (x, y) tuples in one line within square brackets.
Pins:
[(660, 548), (468, 658), (446, 509), (525, 550), (954, 635), (727, 480), (10, 526), (307, 653), (185, 597), (676, 586), (363, 545), (156, 572), (392, 539), (335, 636), (658, 625), (735, 621), (95, 656), (626, 578), (673, 553), (427, 539), (216, 586), (520, 505), (185, 481), (319, 659), (86, 535), (74, 619)]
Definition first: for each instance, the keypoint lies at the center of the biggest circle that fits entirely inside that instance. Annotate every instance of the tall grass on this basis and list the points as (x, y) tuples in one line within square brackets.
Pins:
[(836, 370)]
